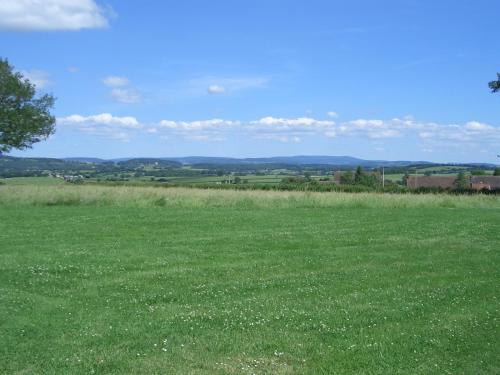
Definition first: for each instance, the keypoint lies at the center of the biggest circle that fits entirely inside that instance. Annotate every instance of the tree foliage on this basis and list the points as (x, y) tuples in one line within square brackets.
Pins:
[(24, 118), (461, 181), (358, 175), (495, 85), (360, 178), (347, 178)]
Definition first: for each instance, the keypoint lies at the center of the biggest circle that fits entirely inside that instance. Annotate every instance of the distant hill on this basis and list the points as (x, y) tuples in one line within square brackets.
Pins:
[(295, 160), (141, 162), (85, 160), (10, 164)]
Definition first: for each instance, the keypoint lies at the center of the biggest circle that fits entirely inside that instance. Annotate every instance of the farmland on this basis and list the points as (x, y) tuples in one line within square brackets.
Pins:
[(114, 280), (210, 172)]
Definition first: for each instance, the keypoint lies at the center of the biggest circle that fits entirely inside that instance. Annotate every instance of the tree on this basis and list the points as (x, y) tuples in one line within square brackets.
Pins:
[(347, 178), (405, 179), (461, 181), (496, 172), (358, 176), (24, 118), (495, 85), (478, 172)]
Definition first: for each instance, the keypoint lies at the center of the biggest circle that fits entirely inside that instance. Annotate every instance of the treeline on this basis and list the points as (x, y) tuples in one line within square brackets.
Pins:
[(314, 186)]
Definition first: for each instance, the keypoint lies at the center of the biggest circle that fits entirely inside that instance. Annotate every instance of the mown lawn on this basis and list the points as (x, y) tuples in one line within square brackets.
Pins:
[(244, 289)]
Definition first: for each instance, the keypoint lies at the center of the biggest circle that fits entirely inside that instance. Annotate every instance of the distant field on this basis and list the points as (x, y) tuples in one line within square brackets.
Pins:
[(123, 280), (399, 176), (32, 181), (213, 179)]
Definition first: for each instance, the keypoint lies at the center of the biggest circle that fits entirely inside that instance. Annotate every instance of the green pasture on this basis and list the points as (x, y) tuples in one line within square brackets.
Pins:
[(130, 280)]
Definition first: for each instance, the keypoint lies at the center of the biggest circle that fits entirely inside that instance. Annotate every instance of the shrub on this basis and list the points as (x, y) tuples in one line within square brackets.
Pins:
[(478, 172)]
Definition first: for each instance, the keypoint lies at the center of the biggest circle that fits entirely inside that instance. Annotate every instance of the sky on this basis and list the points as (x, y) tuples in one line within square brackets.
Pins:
[(387, 79)]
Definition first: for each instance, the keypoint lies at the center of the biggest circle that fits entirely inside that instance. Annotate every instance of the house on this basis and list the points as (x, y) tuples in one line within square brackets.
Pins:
[(485, 182), (443, 182)]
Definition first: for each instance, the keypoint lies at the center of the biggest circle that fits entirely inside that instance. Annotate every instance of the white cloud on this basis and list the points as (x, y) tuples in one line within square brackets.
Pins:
[(103, 125), (121, 90), (115, 81), (101, 119), (73, 69), (301, 125), (220, 85), (477, 126), (332, 114), (39, 78), (216, 89), (50, 15), (293, 122), (214, 130), (429, 132), (431, 135), (126, 95), (214, 124), (206, 138), (469, 133), (374, 129), (278, 137), (289, 130), (106, 132)]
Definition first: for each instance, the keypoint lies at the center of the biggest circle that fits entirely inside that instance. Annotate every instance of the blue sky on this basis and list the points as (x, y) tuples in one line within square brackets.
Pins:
[(387, 79)]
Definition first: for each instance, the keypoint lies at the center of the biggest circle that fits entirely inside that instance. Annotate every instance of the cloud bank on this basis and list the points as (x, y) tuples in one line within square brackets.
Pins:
[(428, 135)]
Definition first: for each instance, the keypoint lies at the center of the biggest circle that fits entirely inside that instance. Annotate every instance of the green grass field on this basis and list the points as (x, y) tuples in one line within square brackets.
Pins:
[(123, 280), (32, 181)]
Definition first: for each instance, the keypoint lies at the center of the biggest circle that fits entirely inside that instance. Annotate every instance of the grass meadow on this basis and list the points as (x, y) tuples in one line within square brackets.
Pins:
[(129, 280)]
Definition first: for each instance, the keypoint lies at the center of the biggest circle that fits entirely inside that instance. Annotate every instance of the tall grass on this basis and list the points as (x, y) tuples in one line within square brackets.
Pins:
[(188, 197)]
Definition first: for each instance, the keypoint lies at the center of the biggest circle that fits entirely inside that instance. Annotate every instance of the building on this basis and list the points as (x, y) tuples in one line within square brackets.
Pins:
[(443, 182), (449, 182), (485, 182)]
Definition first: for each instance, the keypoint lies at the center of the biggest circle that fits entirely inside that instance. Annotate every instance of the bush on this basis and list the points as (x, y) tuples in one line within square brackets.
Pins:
[(478, 172)]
